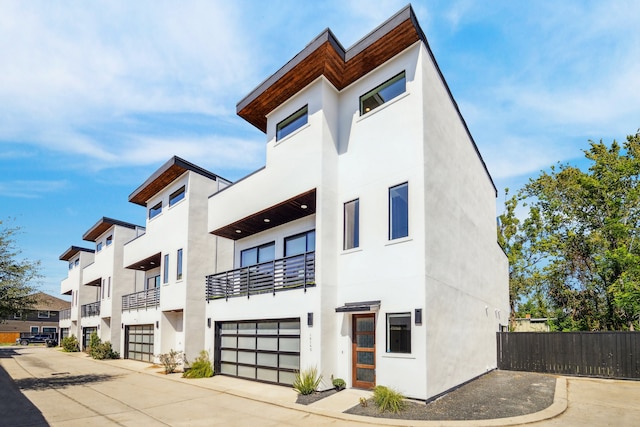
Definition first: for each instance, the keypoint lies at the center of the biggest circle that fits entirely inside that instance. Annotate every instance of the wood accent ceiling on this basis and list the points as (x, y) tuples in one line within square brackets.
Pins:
[(148, 263), (279, 214), (72, 251), (328, 60), (103, 225)]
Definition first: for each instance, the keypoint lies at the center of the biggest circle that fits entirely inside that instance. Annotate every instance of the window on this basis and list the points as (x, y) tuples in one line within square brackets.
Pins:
[(179, 269), (399, 211), (257, 255), (35, 329), (176, 196), (77, 262), (70, 265), (165, 278), (17, 315), (99, 247), (109, 240), (383, 93), (153, 282), (300, 243), (109, 287), (352, 224), (155, 210), (399, 333), (102, 288), (292, 123), (44, 314)]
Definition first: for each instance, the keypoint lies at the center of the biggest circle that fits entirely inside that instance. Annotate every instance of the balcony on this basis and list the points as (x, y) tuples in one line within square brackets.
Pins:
[(65, 314), (294, 272), (92, 309), (141, 300)]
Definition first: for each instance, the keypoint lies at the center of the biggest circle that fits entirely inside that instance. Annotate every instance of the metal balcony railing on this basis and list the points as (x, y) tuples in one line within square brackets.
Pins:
[(92, 309), (284, 274), (143, 299)]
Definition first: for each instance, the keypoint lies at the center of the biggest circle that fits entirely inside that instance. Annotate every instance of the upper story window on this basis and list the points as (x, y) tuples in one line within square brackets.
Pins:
[(109, 240), (258, 254), (99, 247), (176, 196), (44, 314), (153, 282), (352, 224), (155, 210), (179, 269), (385, 92), (292, 123), (17, 315), (300, 243), (399, 211), (76, 262), (165, 274), (70, 265)]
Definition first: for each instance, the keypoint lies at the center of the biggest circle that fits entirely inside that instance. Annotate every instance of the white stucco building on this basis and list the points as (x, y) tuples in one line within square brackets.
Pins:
[(366, 246), (78, 258), (165, 309)]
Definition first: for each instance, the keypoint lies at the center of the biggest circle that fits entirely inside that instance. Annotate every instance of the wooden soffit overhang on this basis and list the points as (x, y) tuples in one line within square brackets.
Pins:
[(164, 176), (148, 263), (289, 210), (103, 225), (72, 251), (325, 56)]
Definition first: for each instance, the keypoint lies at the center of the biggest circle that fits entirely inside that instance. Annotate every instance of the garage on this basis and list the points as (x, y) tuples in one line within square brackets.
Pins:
[(139, 342), (262, 350)]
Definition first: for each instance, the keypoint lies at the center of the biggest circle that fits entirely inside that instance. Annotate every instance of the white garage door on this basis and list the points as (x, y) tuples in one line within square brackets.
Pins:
[(263, 350)]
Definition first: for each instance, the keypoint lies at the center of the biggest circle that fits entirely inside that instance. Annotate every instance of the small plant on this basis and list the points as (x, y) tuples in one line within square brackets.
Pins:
[(101, 350), (387, 399), (200, 368), (70, 344), (338, 383), (364, 402), (94, 341), (170, 360), (306, 382)]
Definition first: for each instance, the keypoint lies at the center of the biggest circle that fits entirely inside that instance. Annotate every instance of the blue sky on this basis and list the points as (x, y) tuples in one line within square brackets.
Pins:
[(95, 96)]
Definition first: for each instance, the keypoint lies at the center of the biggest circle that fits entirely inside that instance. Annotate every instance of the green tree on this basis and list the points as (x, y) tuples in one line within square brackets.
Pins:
[(16, 275), (588, 237)]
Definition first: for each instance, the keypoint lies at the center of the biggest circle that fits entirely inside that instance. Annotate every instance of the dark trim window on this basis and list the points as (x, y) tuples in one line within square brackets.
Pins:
[(176, 196), (70, 265), (292, 123), (179, 269), (352, 224), (44, 314), (300, 243), (399, 333), (165, 278), (153, 282), (35, 329), (385, 92), (258, 254), (17, 315), (99, 247), (155, 210), (399, 211), (76, 262), (109, 287), (109, 240)]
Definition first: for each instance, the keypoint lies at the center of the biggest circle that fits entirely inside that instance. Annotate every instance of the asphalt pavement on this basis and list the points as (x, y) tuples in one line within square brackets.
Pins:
[(43, 386)]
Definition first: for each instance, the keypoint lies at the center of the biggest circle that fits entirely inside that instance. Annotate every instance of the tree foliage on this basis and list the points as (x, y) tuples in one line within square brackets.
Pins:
[(16, 275), (579, 248)]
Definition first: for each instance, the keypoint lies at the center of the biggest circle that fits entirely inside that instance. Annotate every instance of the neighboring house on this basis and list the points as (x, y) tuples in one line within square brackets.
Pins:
[(165, 310), (532, 324), (42, 318), (366, 246)]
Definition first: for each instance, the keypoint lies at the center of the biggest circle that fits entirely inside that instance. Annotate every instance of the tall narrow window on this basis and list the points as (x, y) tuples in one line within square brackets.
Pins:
[(399, 211), (109, 240), (155, 210), (176, 196), (109, 287), (99, 247), (352, 224), (399, 333), (385, 92), (179, 269), (165, 278), (292, 123), (102, 287)]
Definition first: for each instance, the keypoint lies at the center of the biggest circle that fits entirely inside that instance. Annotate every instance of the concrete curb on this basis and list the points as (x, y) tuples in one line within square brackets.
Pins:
[(558, 406)]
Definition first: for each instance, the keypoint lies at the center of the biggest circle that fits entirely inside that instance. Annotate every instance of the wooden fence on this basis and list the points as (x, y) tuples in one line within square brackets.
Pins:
[(591, 354)]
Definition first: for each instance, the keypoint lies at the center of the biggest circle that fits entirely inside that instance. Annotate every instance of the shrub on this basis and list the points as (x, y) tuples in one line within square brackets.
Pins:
[(94, 340), (306, 382), (170, 360), (200, 368), (338, 383), (103, 350), (387, 399), (70, 344)]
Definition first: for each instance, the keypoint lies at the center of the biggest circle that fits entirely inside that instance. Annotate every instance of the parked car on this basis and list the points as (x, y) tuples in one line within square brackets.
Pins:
[(32, 339)]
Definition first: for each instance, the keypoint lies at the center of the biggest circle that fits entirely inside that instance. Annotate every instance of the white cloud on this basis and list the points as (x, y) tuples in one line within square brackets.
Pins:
[(31, 189)]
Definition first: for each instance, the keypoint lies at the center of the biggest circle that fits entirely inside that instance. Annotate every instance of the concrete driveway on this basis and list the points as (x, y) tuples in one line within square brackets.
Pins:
[(43, 386)]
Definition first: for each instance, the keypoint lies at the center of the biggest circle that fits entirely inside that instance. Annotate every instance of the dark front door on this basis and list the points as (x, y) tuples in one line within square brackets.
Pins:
[(364, 351)]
